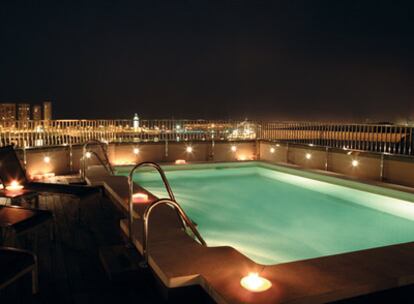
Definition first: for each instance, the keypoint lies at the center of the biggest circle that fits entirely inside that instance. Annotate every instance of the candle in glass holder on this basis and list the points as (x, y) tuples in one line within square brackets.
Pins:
[(14, 186), (140, 197)]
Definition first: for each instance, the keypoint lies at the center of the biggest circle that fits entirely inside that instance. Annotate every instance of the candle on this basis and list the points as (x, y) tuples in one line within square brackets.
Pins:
[(140, 197), (255, 283), (14, 186)]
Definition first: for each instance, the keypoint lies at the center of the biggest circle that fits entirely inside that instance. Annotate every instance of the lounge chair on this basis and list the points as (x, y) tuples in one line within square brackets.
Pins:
[(14, 264), (12, 170)]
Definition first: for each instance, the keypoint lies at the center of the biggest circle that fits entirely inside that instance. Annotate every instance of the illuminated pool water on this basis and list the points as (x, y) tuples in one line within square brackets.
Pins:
[(275, 217)]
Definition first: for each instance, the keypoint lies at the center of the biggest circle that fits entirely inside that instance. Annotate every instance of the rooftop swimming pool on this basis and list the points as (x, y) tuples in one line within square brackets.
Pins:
[(275, 215)]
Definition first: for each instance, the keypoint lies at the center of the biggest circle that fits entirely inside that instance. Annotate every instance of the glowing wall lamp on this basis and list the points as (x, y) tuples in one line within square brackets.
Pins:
[(272, 150), (46, 159), (233, 148), (355, 163), (308, 156), (242, 157), (88, 154), (189, 149), (135, 151), (255, 283)]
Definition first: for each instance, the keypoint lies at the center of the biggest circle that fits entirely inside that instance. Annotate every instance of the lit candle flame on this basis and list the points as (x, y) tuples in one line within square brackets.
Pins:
[(140, 197), (14, 186), (255, 283)]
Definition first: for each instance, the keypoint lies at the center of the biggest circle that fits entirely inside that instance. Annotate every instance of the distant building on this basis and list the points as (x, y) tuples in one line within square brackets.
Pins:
[(23, 112), (47, 110), (135, 121), (37, 112), (7, 114)]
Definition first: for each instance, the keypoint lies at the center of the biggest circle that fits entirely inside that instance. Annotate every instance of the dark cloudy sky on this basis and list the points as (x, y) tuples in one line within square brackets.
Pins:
[(309, 59)]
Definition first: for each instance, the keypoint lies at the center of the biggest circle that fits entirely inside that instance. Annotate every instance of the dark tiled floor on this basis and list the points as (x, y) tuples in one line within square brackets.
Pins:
[(70, 270)]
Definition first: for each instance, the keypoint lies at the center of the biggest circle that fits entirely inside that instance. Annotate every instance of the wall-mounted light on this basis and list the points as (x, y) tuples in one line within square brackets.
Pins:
[(355, 163), (233, 148), (272, 150), (46, 159), (88, 154), (255, 283), (277, 145), (308, 156), (189, 149), (135, 151), (242, 157)]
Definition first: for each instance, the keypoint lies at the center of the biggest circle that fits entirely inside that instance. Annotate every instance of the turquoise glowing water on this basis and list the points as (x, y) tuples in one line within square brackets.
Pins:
[(275, 217)]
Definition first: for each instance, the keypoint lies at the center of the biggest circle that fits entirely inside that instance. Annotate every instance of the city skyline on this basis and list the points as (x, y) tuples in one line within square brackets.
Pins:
[(24, 111)]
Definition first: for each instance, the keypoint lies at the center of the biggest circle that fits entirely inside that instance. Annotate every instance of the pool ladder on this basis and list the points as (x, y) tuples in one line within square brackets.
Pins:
[(106, 164), (185, 221)]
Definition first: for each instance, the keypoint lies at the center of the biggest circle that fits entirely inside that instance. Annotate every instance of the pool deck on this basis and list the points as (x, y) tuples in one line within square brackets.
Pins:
[(178, 260)]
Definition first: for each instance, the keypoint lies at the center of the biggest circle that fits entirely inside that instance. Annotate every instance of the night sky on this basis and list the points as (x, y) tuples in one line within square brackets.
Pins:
[(309, 60)]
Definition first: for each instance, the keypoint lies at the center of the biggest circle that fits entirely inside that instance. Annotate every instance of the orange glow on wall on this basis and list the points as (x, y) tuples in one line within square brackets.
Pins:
[(43, 176)]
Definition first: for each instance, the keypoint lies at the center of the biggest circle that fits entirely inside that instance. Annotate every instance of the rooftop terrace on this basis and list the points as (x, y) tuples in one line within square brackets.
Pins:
[(373, 155)]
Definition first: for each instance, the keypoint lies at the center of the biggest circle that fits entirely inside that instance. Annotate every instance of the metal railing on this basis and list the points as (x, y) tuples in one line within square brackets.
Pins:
[(145, 221), (383, 138), (29, 134), (131, 189), (107, 164)]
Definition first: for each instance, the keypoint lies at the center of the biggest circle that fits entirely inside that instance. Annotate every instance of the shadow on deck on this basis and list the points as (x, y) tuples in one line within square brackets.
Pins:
[(70, 270)]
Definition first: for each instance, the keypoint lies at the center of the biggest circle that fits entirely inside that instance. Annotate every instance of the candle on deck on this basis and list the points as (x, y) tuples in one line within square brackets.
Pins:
[(140, 197)]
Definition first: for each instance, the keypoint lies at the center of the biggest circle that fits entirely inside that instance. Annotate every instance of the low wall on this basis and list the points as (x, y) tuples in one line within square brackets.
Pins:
[(393, 169), (66, 159)]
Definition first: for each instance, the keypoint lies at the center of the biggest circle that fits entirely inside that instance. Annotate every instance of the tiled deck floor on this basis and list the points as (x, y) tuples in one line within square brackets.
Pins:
[(71, 271)]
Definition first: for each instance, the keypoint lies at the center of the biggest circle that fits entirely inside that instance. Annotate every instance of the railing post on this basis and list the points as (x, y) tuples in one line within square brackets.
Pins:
[(287, 152), (24, 156), (382, 167), (70, 158), (166, 148)]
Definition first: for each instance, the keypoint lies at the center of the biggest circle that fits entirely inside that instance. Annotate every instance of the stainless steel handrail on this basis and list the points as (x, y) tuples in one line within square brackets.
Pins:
[(108, 168), (84, 158), (131, 188), (146, 216)]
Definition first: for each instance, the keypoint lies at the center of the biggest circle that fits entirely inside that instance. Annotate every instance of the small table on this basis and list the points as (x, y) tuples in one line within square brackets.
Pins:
[(15, 220), (19, 196)]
